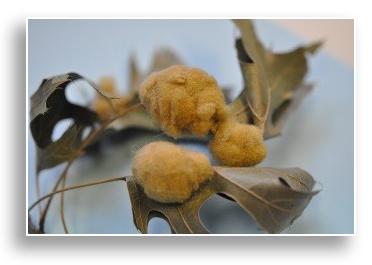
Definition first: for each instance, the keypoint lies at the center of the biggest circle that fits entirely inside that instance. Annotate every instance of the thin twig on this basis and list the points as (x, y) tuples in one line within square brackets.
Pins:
[(46, 209), (62, 208), (49, 195), (38, 192)]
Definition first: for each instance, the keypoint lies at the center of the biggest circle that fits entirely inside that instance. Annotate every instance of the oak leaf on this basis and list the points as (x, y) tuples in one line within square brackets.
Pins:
[(273, 197)]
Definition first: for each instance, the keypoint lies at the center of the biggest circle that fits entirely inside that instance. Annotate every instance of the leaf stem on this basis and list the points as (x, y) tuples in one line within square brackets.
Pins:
[(62, 208), (46, 209), (76, 187), (38, 192)]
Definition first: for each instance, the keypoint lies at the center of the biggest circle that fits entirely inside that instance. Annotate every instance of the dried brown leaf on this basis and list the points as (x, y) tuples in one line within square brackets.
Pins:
[(49, 105), (273, 197), (62, 150), (273, 82)]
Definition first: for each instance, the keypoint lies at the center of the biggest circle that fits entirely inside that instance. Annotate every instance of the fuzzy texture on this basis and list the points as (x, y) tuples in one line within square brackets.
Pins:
[(236, 144), (102, 105), (169, 173), (183, 99)]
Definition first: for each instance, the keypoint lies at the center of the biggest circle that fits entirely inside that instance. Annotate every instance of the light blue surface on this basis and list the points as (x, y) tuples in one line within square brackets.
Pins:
[(318, 136)]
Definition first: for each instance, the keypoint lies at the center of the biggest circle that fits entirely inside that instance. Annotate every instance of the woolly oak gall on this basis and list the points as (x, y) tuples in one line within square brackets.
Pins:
[(236, 144), (169, 173), (183, 99)]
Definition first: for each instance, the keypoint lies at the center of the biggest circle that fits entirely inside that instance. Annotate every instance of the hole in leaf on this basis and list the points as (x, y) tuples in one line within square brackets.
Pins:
[(80, 93), (278, 113), (158, 225), (86, 132), (60, 128), (223, 216)]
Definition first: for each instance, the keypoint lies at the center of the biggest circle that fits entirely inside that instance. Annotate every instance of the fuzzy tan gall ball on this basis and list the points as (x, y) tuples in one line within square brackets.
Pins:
[(183, 99), (169, 173), (236, 144)]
